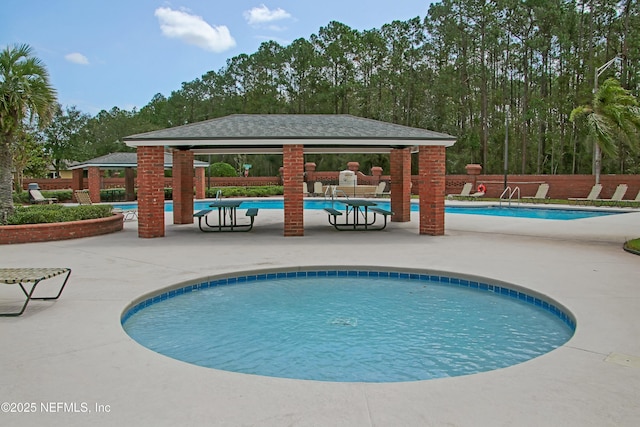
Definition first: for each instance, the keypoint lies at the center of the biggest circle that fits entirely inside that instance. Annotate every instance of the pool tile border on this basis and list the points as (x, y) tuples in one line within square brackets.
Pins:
[(444, 278)]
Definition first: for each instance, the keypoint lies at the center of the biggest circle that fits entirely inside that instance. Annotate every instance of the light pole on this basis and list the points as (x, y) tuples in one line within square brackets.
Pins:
[(506, 144), (597, 152)]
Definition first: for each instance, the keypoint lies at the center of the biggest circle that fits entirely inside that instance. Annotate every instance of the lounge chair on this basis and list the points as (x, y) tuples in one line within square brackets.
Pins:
[(633, 203), (379, 191), (541, 194), (305, 189), (466, 192), (317, 188), (593, 195), (616, 199), (37, 197), (82, 197), (22, 276)]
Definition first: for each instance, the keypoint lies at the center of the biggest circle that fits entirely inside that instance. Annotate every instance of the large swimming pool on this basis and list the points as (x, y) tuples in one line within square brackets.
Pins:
[(349, 325), (492, 210)]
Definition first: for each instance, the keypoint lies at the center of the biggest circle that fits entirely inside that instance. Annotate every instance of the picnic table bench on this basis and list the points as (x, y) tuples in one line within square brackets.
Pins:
[(357, 216), (227, 217)]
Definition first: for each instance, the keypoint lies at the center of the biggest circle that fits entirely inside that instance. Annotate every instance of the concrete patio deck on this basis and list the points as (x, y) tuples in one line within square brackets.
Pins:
[(72, 354)]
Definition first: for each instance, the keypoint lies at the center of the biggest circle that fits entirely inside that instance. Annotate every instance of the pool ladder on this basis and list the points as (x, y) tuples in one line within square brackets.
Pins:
[(508, 194)]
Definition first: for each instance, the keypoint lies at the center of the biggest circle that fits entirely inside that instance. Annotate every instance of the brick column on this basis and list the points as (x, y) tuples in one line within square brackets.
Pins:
[(150, 192), (182, 187), (292, 176), (431, 165), (200, 183), (400, 165), (129, 184), (77, 180), (95, 178)]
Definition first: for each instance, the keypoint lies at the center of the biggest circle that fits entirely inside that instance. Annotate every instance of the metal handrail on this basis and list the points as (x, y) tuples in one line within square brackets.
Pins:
[(510, 193)]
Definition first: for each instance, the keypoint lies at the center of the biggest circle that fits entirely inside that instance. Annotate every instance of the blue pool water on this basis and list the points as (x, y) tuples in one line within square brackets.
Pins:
[(521, 212), (348, 326)]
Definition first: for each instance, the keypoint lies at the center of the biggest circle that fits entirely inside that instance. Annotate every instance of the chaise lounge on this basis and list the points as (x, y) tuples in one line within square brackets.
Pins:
[(22, 276)]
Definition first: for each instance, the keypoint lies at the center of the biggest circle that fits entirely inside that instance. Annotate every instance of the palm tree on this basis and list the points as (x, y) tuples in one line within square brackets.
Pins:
[(613, 118), (25, 92)]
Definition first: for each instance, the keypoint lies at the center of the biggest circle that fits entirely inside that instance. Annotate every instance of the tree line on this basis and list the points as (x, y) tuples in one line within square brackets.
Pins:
[(485, 72)]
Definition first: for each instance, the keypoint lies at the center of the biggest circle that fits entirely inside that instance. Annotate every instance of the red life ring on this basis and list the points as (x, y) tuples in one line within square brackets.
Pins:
[(482, 188)]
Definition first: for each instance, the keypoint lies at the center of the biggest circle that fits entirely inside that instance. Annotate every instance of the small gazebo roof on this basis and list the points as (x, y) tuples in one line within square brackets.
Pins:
[(126, 160), (267, 133)]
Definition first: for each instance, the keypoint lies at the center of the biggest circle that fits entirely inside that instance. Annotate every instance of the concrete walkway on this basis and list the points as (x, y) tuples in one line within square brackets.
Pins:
[(72, 360)]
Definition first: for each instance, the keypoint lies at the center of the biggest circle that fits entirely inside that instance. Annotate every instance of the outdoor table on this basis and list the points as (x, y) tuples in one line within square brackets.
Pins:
[(354, 210), (227, 216), (227, 208)]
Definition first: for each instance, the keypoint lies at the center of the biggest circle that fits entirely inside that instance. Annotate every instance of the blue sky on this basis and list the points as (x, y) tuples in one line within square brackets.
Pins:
[(106, 53)]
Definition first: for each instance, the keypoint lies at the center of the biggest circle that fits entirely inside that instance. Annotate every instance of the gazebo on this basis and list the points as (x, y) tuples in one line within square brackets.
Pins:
[(292, 135), (128, 162)]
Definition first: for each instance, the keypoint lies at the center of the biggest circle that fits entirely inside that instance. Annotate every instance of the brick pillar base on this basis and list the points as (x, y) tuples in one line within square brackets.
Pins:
[(400, 168), (182, 187), (150, 192), (95, 183), (293, 176), (431, 174)]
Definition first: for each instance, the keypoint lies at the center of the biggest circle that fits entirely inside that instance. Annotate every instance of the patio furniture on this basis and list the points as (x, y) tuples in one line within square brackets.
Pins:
[(592, 196), (465, 192), (227, 216), (317, 188), (616, 199), (82, 197), (37, 197), (541, 194), (23, 276), (355, 210)]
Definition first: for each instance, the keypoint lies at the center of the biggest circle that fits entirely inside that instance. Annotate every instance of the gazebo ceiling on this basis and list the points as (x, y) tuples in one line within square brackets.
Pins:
[(267, 133)]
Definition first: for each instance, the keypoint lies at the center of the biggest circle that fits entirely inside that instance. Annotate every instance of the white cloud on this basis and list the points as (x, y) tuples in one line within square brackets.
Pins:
[(262, 14), (77, 58), (192, 29)]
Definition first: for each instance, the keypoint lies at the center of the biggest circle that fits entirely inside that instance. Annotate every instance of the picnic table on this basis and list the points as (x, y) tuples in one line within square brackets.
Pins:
[(227, 216), (359, 215)]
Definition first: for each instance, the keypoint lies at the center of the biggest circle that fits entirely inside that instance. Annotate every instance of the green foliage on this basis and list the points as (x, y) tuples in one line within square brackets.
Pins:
[(220, 169), (251, 191), (25, 93), (39, 214), (22, 198)]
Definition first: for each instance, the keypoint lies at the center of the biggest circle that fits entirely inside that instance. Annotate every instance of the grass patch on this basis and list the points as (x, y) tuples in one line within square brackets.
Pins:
[(633, 244), (40, 214)]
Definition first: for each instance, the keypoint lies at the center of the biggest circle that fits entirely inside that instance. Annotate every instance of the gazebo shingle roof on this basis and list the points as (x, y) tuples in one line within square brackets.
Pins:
[(126, 160), (275, 130)]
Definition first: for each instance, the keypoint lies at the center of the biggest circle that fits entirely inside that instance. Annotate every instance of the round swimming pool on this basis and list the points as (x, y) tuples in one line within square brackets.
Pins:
[(349, 325)]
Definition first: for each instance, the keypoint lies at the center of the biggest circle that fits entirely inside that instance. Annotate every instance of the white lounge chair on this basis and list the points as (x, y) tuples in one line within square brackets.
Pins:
[(466, 192), (616, 199), (317, 188), (593, 195), (305, 189), (541, 194), (37, 197), (379, 191)]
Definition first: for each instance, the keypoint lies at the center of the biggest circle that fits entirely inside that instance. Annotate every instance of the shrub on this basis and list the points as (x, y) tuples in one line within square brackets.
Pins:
[(221, 169), (265, 191), (39, 214)]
